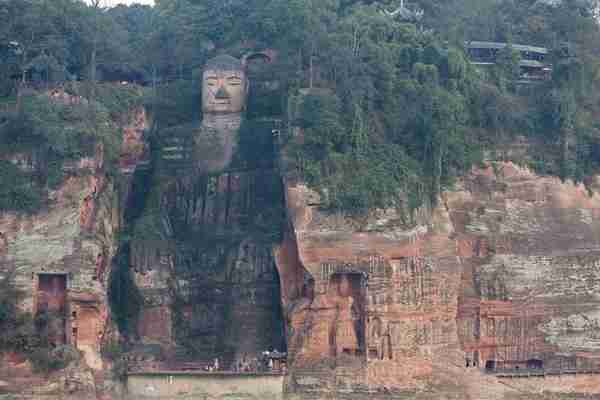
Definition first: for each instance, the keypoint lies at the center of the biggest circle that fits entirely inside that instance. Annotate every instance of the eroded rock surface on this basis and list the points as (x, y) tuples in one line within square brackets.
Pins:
[(503, 271), (61, 256), (404, 284), (503, 275), (530, 272)]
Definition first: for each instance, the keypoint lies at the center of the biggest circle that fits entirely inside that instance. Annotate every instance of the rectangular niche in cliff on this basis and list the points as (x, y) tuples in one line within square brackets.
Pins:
[(51, 309), (347, 334)]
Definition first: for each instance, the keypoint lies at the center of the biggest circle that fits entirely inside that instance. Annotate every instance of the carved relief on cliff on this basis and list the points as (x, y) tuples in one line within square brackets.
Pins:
[(336, 325), (409, 281), (135, 151)]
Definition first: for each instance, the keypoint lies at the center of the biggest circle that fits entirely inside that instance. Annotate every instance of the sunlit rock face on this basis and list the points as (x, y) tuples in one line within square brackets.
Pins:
[(531, 283), (377, 304), (504, 269)]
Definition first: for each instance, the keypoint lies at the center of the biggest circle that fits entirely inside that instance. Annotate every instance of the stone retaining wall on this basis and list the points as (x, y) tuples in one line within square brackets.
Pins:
[(182, 385)]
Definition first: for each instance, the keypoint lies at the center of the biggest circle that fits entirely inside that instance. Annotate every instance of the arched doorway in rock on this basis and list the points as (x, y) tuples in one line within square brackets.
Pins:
[(51, 307)]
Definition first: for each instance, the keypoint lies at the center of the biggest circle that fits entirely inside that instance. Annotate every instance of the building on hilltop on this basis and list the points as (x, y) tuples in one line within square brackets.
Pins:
[(406, 12), (534, 65)]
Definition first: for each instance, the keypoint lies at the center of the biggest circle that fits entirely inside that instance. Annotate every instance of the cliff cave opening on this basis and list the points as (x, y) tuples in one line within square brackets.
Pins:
[(51, 307)]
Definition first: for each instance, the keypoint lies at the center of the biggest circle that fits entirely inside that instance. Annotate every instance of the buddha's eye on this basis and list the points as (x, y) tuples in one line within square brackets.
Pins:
[(211, 82), (234, 81)]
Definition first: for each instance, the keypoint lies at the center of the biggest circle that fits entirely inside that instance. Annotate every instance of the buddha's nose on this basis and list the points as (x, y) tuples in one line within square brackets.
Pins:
[(222, 94)]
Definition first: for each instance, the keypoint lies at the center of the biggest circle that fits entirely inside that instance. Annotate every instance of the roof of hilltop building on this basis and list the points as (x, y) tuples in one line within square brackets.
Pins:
[(406, 12), (522, 63), (498, 45), (532, 64)]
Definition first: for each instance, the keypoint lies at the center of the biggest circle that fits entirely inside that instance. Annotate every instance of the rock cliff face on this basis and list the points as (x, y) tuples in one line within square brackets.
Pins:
[(501, 278), (529, 250), (62, 255), (503, 274), (404, 284)]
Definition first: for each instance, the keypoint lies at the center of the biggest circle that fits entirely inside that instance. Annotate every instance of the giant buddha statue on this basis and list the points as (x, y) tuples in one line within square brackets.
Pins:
[(208, 207)]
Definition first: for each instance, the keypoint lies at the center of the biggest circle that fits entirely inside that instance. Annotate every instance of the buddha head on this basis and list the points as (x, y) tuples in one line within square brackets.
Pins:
[(224, 86)]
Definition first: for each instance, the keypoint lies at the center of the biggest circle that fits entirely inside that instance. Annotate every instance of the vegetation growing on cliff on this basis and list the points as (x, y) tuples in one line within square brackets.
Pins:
[(45, 132), (124, 297), (18, 190), (393, 106)]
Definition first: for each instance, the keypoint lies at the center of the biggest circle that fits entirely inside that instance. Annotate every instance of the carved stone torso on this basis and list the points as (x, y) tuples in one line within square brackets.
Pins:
[(215, 141)]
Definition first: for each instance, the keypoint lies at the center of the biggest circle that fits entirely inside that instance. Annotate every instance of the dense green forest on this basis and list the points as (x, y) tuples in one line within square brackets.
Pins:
[(394, 106)]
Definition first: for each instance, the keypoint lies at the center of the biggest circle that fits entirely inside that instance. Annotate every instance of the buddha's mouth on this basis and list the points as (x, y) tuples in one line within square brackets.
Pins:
[(221, 102)]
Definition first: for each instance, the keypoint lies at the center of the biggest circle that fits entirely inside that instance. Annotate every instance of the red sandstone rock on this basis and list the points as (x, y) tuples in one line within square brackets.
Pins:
[(491, 275), (71, 240)]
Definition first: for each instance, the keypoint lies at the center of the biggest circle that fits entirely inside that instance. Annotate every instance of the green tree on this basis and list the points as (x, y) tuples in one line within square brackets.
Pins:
[(507, 69)]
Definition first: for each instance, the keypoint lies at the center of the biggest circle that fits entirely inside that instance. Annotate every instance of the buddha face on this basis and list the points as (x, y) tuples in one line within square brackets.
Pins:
[(223, 90)]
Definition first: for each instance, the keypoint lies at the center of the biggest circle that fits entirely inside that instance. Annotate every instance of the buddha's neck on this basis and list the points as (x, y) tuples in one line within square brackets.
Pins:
[(231, 121)]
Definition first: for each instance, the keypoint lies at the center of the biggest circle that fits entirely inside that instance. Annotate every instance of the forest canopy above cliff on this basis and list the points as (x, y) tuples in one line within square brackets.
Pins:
[(401, 107)]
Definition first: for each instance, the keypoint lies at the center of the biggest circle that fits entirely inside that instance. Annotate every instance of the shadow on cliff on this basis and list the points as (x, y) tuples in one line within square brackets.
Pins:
[(124, 297)]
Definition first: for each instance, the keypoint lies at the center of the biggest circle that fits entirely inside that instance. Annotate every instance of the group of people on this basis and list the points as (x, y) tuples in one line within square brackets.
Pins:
[(246, 365), (265, 362), (214, 367)]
